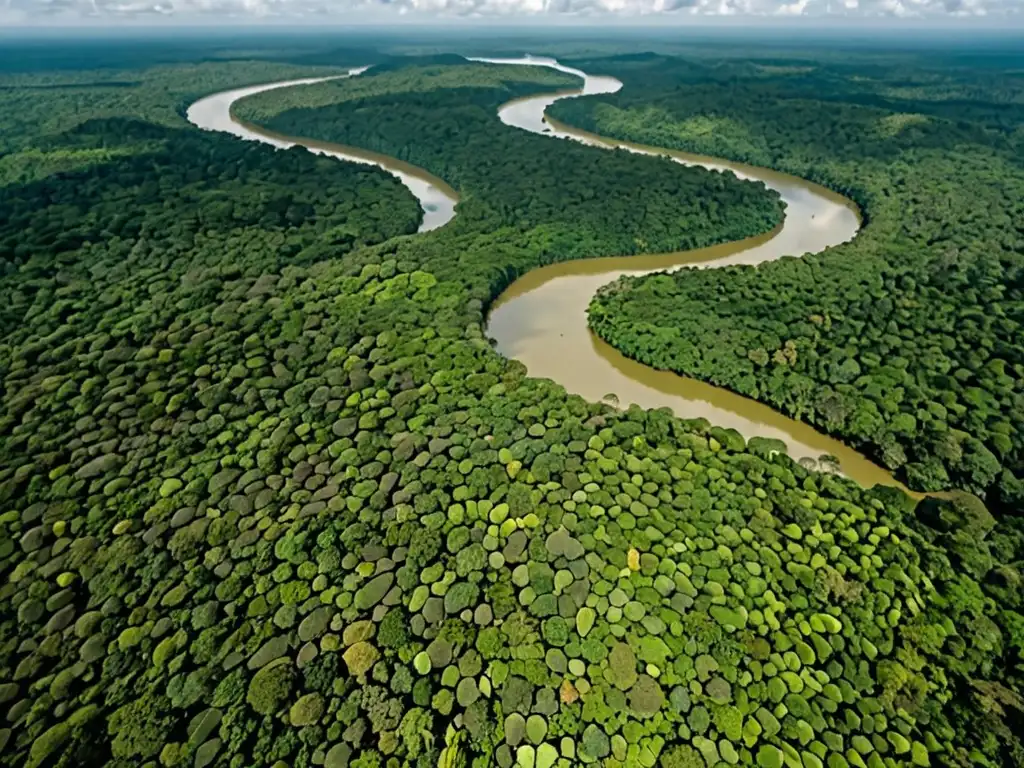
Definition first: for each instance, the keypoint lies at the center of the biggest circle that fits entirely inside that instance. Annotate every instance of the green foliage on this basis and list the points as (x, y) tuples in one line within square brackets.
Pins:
[(416, 732), (384, 545), (307, 710), (646, 699), (903, 342), (555, 631), (360, 658), (140, 727), (681, 756), (622, 666), (374, 590), (549, 199), (48, 742), (269, 212), (393, 631), (462, 595), (270, 686), (39, 105), (595, 744)]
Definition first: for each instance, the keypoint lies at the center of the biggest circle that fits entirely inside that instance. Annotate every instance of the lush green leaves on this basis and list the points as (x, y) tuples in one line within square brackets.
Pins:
[(906, 341), (258, 505)]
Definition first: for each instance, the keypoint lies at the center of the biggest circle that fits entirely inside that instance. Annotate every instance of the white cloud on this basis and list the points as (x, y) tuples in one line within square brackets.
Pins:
[(345, 11), (796, 8)]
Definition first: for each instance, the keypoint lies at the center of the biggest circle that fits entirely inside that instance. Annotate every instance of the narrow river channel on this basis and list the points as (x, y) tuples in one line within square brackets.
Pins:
[(213, 113), (541, 318)]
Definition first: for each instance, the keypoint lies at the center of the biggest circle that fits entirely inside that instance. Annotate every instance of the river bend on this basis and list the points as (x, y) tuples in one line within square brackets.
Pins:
[(541, 319), (213, 113)]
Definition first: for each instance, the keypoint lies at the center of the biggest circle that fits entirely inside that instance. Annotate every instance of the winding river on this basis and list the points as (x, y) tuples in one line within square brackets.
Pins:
[(213, 113), (541, 318)]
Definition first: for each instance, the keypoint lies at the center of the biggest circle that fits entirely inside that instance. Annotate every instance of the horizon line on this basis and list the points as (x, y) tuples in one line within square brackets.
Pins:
[(537, 23)]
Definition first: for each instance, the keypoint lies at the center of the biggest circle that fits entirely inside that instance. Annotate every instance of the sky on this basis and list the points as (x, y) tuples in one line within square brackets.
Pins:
[(111, 12)]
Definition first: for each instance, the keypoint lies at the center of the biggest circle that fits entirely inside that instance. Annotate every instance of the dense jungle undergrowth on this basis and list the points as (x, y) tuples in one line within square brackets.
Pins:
[(269, 497)]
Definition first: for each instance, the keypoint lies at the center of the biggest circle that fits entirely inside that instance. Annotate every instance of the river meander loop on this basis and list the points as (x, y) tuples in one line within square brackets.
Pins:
[(541, 318)]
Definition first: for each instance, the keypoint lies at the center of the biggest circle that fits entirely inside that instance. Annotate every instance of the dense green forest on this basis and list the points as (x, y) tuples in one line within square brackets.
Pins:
[(37, 108), (168, 207), (571, 203), (905, 342), (270, 498)]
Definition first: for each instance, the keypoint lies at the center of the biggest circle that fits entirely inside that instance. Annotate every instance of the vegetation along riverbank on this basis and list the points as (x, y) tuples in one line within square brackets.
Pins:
[(269, 497)]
